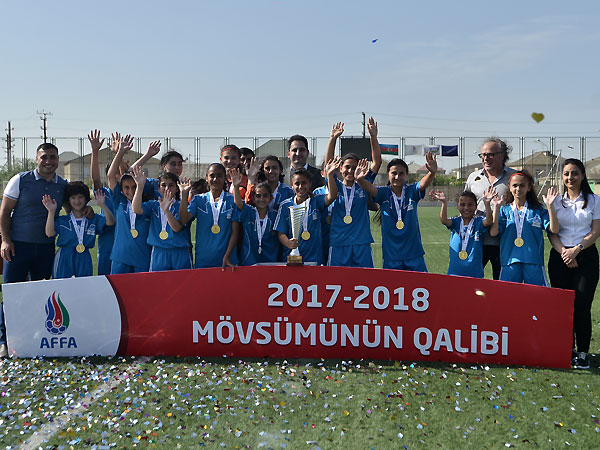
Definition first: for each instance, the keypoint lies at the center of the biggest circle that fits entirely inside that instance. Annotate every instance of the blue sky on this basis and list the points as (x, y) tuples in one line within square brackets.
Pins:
[(275, 68)]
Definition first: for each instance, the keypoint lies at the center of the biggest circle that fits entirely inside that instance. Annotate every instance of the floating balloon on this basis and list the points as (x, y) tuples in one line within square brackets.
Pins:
[(374, 40), (538, 117)]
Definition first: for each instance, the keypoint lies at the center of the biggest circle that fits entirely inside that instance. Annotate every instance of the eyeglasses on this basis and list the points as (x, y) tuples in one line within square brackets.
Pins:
[(488, 155)]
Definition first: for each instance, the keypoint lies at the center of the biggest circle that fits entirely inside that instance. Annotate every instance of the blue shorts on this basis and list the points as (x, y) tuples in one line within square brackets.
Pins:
[(170, 259), (104, 263), (70, 263), (524, 273), (413, 264), (351, 256), (118, 268)]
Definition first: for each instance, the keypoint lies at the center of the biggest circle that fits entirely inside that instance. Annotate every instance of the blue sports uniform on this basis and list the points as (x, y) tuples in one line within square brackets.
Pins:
[(172, 253), (68, 262), (151, 188), (283, 193), (129, 254), (210, 247), (402, 248), (106, 238), (350, 244), (311, 249), (472, 266), (325, 222), (523, 264), (270, 245)]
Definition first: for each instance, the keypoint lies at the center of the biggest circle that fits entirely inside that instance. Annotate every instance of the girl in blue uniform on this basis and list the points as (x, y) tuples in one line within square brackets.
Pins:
[(309, 243), (270, 171), (260, 243), (350, 233), (131, 252), (76, 233), (217, 226), (520, 224), (466, 231), (168, 237), (400, 233)]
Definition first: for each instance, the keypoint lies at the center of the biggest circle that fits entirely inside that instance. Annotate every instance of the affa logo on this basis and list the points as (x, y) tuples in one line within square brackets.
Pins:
[(57, 322)]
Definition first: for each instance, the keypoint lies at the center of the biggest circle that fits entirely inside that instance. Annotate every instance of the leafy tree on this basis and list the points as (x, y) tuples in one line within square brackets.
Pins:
[(18, 166)]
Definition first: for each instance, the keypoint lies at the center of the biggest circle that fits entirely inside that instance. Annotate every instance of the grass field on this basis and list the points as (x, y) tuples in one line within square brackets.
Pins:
[(298, 404)]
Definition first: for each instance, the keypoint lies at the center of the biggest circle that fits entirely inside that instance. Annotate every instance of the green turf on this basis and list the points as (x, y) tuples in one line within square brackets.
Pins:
[(233, 403)]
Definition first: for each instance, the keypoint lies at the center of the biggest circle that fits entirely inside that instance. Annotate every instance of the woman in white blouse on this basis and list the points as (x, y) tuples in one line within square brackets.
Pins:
[(573, 262)]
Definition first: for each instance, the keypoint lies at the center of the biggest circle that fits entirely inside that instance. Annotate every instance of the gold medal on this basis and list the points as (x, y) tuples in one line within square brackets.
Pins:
[(80, 248), (305, 235), (328, 220), (399, 224), (463, 255), (519, 242), (216, 229), (134, 233), (347, 219), (163, 235)]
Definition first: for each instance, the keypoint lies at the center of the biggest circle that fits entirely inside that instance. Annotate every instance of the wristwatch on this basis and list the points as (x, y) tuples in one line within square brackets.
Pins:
[(580, 246)]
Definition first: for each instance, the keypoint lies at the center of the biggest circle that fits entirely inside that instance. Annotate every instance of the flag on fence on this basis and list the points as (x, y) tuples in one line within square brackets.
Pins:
[(449, 150), (435, 149), (388, 149), (413, 150)]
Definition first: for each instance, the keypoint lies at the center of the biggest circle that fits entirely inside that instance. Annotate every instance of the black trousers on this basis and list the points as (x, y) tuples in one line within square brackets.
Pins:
[(583, 280), (491, 253)]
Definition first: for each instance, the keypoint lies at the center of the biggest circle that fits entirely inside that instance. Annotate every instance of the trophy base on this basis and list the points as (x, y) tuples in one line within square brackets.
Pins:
[(294, 260)]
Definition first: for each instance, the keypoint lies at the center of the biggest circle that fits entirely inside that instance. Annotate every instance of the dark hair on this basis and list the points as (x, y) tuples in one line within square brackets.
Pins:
[(397, 162), (167, 157), (531, 197), (172, 177), (261, 176), (75, 188), (231, 147), (297, 137), (220, 166), (350, 156), (468, 194), (47, 146), (503, 146), (125, 177), (199, 187), (585, 185), (247, 152), (302, 172)]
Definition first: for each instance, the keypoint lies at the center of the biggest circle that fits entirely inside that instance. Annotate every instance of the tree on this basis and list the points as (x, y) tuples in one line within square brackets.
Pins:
[(20, 165)]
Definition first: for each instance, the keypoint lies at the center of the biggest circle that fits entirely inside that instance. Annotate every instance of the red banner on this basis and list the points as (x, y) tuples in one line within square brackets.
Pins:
[(337, 312)]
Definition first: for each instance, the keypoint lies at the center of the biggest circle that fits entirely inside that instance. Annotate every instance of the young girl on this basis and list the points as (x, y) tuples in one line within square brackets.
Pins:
[(260, 243), (520, 224), (466, 232), (170, 162), (573, 262), (169, 239), (76, 233), (400, 233), (270, 170), (309, 244), (350, 234), (217, 226), (131, 252)]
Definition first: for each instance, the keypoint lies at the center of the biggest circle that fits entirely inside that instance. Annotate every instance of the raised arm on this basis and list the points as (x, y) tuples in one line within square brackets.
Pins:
[(184, 189), (439, 195), (330, 169), (431, 165), (549, 198), (496, 205), (96, 144), (375, 149), (336, 131), (488, 196), (362, 169), (113, 172), (165, 203), (153, 149), (236, 179), (101, 200), (51, 206)]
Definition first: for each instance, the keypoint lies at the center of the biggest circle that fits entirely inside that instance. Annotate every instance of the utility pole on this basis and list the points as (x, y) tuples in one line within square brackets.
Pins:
[(44, 119), (9, 147), (363, 124)]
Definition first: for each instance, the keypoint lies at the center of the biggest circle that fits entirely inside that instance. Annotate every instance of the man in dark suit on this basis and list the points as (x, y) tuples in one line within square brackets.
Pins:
[(298, 155)]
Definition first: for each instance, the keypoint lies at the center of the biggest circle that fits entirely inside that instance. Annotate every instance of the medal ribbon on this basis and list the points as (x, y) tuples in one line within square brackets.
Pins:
[(348, 201), (215, 205), (261, 227), (163, 218), (131, 215), (78, 229), (464, 235), (398, 202), (519, 219)]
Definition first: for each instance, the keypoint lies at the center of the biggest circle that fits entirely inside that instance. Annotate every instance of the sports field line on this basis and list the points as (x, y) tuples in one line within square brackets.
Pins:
[(48, 430)]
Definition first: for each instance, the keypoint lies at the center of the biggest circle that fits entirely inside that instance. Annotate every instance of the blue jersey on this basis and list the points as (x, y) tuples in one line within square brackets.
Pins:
[(359, 230), (472, 266), (151, 188), (532, 251), (181, 239), (400, 244), (283, 193), (127, 249), (66, 232), (270, 245), (107, 237), (311, 250), (210, 247)]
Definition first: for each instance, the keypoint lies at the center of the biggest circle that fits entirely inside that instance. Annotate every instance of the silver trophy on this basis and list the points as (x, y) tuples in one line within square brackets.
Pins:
[(297, 213)]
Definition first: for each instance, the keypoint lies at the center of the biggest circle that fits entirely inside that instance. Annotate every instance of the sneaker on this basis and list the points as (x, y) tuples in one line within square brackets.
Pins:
[(582, 361), (3, 351), (573, 357)]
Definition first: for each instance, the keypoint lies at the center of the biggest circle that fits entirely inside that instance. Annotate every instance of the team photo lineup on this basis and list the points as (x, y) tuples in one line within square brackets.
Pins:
[(244, 214)]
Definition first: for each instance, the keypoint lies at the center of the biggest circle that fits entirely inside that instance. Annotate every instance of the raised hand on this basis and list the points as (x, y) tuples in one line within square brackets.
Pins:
[(115, 142), (235, 176), (253, 170), (49, 203), (100, 197), (431, 162), (166, 200), (126, 143), (153, 148), (138, 175), (95, 142), (184, 184), (550, 196), (498, 201), (337, 129), (438, 195), (489, 194), (362, 169), (372, 127)]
